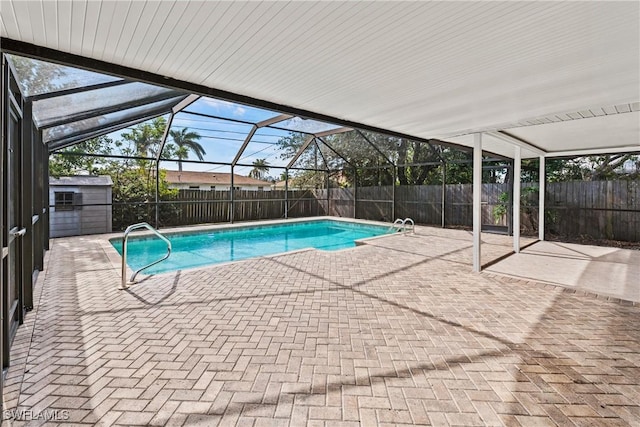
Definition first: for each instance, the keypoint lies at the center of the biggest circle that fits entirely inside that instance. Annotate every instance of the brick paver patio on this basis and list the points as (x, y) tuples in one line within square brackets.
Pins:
[(395, 332)]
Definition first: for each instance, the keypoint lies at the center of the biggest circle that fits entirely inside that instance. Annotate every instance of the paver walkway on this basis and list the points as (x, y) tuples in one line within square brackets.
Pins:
[(395, 332)]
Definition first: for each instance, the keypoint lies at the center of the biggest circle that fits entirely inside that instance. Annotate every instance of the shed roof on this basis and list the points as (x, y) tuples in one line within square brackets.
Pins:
[(82, 181)]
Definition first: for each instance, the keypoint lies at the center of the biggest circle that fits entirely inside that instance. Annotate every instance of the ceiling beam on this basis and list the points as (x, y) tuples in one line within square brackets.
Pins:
[(332, 132), (185, 103), (319, 151), (244, 145), (252, 132), (301, 150), (75, 90), (101, 111), (518, 142), (375, 147), (277, 119), (57, 144), (336, 153), (594, 151)]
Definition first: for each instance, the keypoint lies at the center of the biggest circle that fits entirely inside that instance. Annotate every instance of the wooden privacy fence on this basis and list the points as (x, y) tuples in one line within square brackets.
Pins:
[(201, 206), (422, 203), (599, 209), (340, 201)]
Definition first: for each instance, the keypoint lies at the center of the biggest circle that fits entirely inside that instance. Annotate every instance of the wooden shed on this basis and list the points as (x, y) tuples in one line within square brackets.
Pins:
[(80, 205)]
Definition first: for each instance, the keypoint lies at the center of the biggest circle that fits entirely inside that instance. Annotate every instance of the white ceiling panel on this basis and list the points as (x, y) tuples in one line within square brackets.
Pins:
[(17, 17), (420, 68), (51, 25), (91, 23), (37, 22), (79, 24), (619, 130), (63, 27)]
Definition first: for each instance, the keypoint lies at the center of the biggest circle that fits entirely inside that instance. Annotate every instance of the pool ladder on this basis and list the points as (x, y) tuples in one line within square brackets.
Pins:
[(124, 283), (405, 225)]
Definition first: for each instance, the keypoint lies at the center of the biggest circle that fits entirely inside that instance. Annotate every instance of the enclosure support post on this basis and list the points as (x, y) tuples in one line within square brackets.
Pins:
[(315, 173), (517, 177), (165, 135), (542, 181), (286, 193), (477, 199), (355, 193), (393, 195), (232, 208), (510, 205), (444, 193), (157, 193)]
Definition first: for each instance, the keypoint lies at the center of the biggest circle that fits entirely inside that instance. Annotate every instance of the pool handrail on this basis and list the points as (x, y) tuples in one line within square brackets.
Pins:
[(401, 225), (397, 224), (124, 284), (406, 223)]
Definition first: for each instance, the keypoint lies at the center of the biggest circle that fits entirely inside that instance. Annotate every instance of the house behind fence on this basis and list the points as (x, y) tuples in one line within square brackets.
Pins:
[(213, 181), (80, 205)]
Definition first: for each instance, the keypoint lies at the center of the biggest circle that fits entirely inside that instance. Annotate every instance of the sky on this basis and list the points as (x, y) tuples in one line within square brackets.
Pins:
[(222, 139)]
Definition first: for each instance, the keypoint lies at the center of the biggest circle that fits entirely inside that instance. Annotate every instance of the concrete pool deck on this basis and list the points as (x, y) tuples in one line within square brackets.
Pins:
[(602, 270), (397, 331)]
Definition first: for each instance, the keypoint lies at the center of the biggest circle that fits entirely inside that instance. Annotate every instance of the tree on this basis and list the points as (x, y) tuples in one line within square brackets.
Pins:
[(133, 195), (612, 166), (146, 137), (260, 168), (37, 76), (71, 160), (594, 168), (419, 162), (185, 141)]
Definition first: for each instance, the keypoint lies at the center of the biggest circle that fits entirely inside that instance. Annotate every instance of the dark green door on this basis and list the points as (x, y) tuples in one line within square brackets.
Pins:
[(12, 230)]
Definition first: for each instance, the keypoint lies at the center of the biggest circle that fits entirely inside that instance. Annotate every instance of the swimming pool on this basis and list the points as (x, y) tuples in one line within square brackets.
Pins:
[(212, 246)]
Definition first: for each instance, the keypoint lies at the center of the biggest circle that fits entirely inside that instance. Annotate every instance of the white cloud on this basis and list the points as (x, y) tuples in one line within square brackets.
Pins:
[(219, 105)]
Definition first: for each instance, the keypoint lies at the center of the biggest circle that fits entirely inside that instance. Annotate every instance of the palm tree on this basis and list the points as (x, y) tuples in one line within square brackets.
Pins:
[(260, 168), (146, 137), (186, 141)]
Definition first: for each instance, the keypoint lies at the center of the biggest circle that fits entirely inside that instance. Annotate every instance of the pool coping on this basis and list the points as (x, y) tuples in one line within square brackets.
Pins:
[(115, 259)]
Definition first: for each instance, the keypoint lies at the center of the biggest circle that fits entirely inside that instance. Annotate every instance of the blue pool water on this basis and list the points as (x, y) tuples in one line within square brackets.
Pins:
[(206, 247)]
